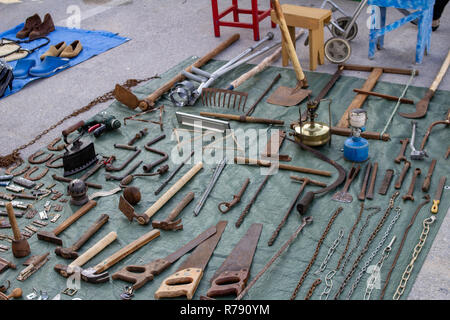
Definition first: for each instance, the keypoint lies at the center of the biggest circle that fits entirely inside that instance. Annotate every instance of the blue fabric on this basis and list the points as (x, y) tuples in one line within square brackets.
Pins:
[(93, 42), (23, 67)]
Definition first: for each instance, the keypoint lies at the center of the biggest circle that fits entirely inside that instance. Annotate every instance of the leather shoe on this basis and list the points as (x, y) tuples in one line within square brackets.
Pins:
[(30, 23), (72, 50), (44, 28), (55, 50)]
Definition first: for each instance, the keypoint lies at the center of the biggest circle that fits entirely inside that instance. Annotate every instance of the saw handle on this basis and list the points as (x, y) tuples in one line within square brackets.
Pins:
[(140, 275), (229, 283), (94, 250), (181, 283)]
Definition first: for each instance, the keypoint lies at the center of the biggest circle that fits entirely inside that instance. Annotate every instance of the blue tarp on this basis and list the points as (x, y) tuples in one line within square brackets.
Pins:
[(93, 42)]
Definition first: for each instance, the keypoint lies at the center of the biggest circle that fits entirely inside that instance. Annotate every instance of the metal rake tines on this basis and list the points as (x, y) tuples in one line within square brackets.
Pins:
[(224, 98)]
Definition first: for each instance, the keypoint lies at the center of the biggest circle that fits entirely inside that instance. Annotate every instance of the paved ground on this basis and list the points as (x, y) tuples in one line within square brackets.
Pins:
[(166, 32)]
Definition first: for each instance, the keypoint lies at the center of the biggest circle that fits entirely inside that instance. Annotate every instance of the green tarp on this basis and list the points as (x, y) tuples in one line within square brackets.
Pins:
[(280, 280)]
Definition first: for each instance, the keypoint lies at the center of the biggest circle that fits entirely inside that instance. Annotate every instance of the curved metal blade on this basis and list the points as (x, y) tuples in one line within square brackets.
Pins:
[(242, 255), (199, 258)]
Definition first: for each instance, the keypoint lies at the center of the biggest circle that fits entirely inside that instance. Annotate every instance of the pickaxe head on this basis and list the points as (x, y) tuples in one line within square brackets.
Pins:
[(49, 237), (90, 275), (66, 253)]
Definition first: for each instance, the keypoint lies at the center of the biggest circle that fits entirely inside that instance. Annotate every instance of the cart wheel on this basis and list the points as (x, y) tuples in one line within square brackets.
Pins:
[(343, 22), (337, 50)]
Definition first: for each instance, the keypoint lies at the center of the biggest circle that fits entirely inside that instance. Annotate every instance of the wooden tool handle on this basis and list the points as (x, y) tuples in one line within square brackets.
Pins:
[(351, 176), (384, 96), (239, 118), (366, 134), (94, 250), (288, 41), (261, 66), (168, 85), (181, 283), (127, 250), (13, 221), (173, 190), (441, 73), (74, 217), (16, 293), (72, 128), (91, 231), (176, 211)]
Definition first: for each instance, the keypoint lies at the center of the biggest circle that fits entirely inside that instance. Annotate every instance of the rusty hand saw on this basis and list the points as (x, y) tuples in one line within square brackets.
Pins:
[(184, 282), (140, 275), (232, 275)]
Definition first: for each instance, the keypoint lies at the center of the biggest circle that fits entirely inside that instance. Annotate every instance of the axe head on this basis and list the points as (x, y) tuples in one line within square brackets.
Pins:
[(49, 237), (90, 275), (126, 208), (66, 253)]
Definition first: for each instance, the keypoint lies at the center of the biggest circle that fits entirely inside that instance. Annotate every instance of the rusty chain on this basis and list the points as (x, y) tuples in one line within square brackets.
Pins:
[(14, 156), (369, 241), (313, 288), (316, 252)]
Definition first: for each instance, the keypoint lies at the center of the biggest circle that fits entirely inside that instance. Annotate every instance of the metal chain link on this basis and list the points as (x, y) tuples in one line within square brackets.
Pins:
[(374, 252), (407, 273), (313, 288), (316, 252), (331, 250), (369, 241), (360, 234), (329, 285), (375, 276)]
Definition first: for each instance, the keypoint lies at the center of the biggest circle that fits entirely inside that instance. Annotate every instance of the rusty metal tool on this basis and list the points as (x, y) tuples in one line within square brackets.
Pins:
[(125, 147), (427, 180), (138, 136), (273, 146), (264, 163), (231, 277), (185, 280), (5, 264), (51, 163), (109, 176), (409, 195), (286, 96), (33, 264), (126, 97), (139, 275), (427, 134), (401, 177), (98, 273), (305, 182), (53, 147), (100, 164), (375, 74), (170, 223), (416, 154), (4, 224), (438, 195), (422, 105), (362, 193), (384, 96), (20, 246), (11, 169), (144, 218), (242, 118), (52, 236), (72, 251), (33, 158), (305, 221), (347, 132), (224, 206), (129, 178), (174, 172), (373, 179), (135, 117), (401, 155), (28, 174), (344, 195), (68, 180), (164, 155), (223, 98), (110, 167), (217, 171), (75, 266), (24, 182)]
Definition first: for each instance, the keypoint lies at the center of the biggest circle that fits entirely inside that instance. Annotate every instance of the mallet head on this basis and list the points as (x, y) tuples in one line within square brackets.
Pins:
[(20, 248), (49, 237), (66, 253)]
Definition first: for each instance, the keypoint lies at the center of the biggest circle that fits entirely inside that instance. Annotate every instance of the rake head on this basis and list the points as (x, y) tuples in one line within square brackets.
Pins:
[(224, 98)]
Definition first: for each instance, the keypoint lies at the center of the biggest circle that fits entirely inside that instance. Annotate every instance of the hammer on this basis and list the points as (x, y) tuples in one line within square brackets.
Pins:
[(98, 274), (169, 223), (76, 265), (52, 236), (71, 252), (20, 247)]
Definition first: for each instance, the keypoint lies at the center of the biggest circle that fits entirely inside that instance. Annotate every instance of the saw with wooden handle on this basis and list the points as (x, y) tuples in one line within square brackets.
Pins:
[(422, 105)]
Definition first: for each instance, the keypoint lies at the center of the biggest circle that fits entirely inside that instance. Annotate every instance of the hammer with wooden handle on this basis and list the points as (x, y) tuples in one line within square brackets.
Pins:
[(19, 245), (76, 265)]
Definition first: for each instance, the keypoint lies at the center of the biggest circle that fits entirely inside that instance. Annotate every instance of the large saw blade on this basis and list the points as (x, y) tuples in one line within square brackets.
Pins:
[(199, 258), (242, 255)]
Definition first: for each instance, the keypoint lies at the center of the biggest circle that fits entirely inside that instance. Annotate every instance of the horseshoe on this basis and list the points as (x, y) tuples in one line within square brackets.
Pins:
[(32, 158), (50, 162), (51, 146), (39, 176), (10, 170)]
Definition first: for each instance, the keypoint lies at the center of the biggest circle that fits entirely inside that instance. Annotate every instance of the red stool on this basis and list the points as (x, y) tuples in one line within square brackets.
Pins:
[(257, 16)]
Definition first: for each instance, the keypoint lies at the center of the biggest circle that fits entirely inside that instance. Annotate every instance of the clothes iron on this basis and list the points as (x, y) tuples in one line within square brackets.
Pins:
[(80, 152)]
